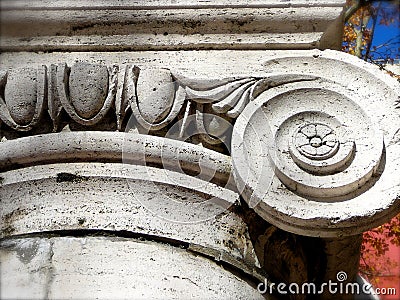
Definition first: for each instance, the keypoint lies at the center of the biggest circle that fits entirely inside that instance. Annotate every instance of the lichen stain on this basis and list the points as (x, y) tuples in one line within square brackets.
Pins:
[(27, 251), (9, 219)]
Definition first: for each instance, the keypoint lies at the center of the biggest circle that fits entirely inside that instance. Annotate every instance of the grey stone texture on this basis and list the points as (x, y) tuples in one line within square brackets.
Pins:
[(112, 268), (130, 168), (169, 25)]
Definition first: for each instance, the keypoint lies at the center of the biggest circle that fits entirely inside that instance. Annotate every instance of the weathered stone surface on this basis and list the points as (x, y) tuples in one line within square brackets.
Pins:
[(155, 96), (328, 166), (82, 4), (155, 91), (116, 147), (112, 268), (86, 92), (176, 25), (88, 88), (25, 268), (136, 199), (20, 94), (332, 188), (371, 96)]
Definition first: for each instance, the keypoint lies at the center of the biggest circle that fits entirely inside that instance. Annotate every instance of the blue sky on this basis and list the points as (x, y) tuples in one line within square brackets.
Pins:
[(384, 33)]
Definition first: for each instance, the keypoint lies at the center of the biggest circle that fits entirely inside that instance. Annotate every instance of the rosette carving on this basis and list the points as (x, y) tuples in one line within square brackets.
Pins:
[(24, 91)]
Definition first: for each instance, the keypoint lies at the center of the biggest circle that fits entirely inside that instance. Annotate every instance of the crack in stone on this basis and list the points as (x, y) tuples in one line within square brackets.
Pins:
[(51, 271)]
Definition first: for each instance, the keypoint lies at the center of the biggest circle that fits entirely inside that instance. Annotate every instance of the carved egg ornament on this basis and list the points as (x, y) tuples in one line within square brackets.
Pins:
[(155, 94), (21, 94), (88, 87)]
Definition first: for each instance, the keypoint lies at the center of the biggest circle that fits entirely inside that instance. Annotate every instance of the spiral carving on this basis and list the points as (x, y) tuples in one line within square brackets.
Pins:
[(317, 148), (318, 157)]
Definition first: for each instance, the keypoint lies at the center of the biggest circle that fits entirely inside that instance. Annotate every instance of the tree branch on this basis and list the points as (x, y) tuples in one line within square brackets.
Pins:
[(357, 4), (360, 35), (374, 16)]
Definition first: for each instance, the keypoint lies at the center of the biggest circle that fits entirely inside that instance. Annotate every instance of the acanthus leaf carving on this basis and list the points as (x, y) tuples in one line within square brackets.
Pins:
[(230, 96), (213, 94), (232, 99), (226, 99)]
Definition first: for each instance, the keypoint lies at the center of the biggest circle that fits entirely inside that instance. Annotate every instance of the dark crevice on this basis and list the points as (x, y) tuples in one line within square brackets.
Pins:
[(101, 233), (152, 48), (68, 177), (284, 256), (248, 278)]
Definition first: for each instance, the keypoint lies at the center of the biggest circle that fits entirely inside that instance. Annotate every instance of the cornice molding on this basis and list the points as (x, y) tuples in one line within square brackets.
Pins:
[(139, 4), (166, 25)]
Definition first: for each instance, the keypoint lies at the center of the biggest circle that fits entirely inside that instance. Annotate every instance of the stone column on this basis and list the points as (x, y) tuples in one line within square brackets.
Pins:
[(131, 130)]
